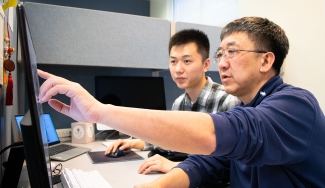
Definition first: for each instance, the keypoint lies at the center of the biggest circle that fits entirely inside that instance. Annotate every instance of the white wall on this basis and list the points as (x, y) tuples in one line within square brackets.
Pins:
[(206, 12), (304, 24)]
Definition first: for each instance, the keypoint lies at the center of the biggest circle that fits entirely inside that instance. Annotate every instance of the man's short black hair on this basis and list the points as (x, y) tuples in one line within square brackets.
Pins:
[(192, 35)]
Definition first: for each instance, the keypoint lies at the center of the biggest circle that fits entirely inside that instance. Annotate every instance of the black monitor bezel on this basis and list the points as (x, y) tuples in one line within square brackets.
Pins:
[(34, 148)]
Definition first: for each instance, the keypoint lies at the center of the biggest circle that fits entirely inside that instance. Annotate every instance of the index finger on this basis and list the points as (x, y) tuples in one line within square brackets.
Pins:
[(51, 82), (43, 74), (109, 149), (43, 87), (113, 147)]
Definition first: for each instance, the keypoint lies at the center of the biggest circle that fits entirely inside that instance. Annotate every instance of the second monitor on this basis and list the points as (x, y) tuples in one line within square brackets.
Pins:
[(130, 91)]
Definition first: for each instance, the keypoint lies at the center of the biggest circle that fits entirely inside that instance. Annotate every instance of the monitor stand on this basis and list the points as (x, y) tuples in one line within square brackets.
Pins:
[(110, 135), (13, 167)]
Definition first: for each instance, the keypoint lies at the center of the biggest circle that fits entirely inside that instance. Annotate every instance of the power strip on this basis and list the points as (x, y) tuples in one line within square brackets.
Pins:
[(64, 132)]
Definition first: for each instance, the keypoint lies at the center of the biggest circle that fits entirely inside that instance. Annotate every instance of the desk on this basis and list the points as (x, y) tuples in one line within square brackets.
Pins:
[(117, 174)]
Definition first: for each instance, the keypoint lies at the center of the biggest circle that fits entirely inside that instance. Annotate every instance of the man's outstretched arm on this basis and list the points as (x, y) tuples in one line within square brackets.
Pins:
[(188, 132)]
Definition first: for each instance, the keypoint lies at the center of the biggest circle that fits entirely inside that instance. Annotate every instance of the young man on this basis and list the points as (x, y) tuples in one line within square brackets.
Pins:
[(188, 62), (275, 137)]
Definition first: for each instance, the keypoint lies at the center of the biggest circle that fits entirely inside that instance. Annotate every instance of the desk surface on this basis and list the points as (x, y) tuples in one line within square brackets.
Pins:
[(117, 174)]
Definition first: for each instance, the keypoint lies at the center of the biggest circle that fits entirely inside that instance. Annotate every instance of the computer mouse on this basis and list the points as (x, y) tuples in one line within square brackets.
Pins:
[(117, 153)]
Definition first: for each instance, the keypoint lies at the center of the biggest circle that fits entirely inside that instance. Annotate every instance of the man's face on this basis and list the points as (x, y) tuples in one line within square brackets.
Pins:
[(240, 75), (186, 66)]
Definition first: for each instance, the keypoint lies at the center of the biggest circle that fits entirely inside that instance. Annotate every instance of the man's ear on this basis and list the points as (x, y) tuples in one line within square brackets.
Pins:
[(267, 61), (206, 64)]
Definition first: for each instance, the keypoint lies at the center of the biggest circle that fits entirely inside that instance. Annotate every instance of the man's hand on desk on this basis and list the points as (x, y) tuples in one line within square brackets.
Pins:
[(125, 145), (156, 163)]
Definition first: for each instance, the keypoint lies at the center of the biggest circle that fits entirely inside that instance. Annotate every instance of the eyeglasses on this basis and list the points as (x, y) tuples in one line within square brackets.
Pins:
[(230, 53), (57, 169)]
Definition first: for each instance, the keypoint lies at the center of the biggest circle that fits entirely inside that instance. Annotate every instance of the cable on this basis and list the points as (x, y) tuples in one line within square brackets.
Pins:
[(100, 132), (12, 145), (107, 138)]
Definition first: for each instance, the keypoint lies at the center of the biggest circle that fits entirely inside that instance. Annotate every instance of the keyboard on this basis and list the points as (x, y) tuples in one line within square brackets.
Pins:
[(60, 148), (79, 179)]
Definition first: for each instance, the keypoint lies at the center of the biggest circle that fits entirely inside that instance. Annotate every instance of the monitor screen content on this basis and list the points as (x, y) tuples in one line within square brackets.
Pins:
[(33, 124), (51, 134), (18, 118)]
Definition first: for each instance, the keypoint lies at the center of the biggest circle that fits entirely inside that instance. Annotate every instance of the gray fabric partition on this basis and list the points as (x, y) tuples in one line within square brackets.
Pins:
[(213, 33), (75, 36)]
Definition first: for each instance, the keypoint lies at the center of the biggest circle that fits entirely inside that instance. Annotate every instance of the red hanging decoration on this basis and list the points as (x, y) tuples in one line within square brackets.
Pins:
[(9, 92), (9, 66)]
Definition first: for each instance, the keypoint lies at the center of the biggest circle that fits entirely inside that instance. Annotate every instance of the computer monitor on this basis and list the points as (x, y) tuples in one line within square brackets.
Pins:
[(33, 125), (130, 91)]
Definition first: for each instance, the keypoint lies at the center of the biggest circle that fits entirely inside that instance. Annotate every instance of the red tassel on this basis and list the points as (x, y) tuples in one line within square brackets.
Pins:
[(9, 93)]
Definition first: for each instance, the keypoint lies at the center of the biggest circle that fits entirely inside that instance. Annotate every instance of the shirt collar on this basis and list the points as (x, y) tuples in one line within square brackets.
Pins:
[(266, 90), (202, 99)]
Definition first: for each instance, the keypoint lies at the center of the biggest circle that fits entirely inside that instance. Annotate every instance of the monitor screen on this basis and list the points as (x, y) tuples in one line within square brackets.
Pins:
[(18, 118), (52, 136), (33, 124), (131, 91)]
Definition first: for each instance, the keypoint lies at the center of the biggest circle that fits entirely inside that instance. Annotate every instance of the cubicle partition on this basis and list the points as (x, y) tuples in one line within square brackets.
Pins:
[(83, 37)]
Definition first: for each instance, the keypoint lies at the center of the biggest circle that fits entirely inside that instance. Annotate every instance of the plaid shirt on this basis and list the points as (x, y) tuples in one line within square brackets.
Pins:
[(212, 99)]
